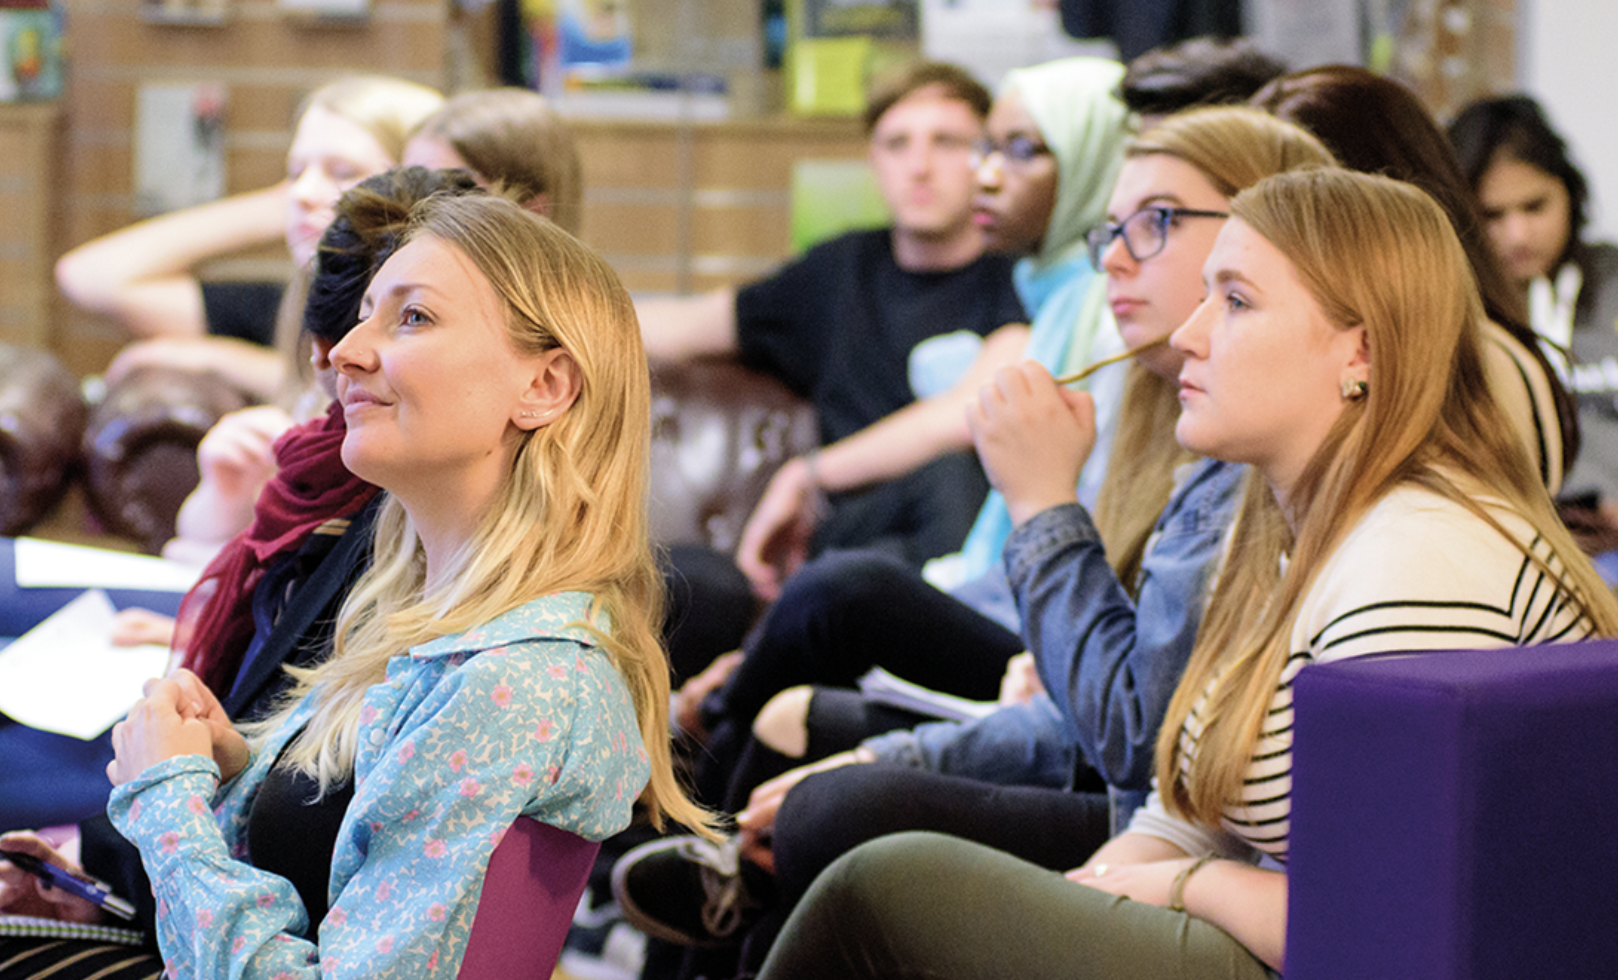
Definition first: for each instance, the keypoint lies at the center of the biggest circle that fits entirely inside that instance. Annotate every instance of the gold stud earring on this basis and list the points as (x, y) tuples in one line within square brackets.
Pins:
[(1353, 389)]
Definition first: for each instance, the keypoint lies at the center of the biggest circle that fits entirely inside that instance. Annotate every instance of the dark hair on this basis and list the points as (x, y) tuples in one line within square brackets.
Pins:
[(957, 83), (1375, 125), (1201, 71), (1515, 127), (369, 226)]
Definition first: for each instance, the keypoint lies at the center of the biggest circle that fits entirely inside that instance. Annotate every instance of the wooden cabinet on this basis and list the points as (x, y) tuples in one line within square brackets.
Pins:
[(27, 148)]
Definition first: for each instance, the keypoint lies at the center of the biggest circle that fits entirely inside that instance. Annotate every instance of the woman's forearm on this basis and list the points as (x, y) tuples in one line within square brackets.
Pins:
[(145, 275), (1247, 902), (922, 431)]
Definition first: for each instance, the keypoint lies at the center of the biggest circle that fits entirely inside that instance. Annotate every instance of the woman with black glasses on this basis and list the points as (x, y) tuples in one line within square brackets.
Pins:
[(1110, 637)]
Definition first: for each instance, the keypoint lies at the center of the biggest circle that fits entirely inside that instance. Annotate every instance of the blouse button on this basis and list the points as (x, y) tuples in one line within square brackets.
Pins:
[(377, 735)]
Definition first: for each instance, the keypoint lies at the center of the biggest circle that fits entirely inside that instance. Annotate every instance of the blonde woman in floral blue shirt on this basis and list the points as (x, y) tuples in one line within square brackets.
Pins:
[(499, 659)]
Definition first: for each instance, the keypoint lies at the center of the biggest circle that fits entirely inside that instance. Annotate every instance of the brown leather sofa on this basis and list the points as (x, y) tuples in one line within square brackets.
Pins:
[(719, 431), (42, 416), (140, 448)]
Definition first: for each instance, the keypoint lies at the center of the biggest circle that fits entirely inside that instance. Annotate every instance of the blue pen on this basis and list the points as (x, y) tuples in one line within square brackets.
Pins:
[(86, 888)]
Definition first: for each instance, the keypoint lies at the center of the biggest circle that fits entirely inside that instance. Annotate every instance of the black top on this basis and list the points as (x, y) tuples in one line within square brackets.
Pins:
[(292, 832), (245, 310), (838, 325)]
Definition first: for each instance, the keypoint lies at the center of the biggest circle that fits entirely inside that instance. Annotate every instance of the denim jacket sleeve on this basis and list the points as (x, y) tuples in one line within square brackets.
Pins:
[(1109, 663), (1022, 745)]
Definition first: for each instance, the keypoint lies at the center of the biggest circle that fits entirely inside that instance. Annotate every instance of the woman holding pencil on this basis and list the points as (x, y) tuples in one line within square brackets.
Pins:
[(1111, 639)]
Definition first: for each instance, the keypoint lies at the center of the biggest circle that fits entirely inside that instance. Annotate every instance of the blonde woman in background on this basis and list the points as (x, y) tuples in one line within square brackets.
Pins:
[(146, 276)]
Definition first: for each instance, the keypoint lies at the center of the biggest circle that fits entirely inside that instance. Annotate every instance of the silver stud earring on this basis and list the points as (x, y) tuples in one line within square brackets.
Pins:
[(528, 415), (1353, 389)]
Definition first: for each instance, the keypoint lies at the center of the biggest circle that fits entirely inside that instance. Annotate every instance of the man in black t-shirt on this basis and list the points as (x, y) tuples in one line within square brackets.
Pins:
[(863, 326)]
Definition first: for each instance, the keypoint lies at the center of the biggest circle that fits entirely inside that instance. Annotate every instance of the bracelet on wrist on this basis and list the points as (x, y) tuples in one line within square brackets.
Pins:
[(1177, 889)]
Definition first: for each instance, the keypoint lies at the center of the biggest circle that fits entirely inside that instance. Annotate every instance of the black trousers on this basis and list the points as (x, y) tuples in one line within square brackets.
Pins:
[(912, 519), (841, 615)]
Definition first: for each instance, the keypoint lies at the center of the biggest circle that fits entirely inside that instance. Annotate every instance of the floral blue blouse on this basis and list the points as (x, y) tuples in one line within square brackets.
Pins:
[(523, 716)]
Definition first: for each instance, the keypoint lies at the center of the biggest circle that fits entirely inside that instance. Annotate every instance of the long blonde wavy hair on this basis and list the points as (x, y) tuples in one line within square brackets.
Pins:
[(1234, 148), (1376, 253), (571, 516)]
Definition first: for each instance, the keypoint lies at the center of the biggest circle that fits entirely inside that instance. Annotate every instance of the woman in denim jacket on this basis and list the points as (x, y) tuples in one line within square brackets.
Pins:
[(1110, 655)]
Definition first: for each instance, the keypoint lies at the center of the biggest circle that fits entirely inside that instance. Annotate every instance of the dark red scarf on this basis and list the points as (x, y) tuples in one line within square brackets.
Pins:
[(311, 487)]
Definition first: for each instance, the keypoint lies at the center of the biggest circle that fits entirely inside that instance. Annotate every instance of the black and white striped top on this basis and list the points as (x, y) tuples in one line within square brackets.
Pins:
[(1418, 573)]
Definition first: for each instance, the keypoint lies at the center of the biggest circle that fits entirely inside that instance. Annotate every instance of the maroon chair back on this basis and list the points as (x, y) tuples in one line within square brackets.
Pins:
[(535, 879)]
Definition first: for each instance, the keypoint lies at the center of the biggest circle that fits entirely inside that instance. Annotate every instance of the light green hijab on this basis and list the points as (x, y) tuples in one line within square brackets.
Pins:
[(1073, 102)]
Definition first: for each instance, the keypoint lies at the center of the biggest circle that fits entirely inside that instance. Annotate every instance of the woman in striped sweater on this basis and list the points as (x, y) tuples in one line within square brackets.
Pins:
[(1390, 508)]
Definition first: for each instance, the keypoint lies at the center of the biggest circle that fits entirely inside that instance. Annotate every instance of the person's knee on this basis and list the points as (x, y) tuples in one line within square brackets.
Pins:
[(839, 581), (783, 724)]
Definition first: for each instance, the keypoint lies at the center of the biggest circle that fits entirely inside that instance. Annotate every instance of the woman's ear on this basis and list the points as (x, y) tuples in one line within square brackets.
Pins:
[(1359, 362), (555, 386)]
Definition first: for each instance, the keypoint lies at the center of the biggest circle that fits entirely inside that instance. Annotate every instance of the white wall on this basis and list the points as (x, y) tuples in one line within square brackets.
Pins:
[(1567, 52)]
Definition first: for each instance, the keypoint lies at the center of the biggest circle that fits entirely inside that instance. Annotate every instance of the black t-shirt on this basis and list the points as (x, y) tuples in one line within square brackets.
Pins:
[(245, 310), (292, 832), (838, 325)]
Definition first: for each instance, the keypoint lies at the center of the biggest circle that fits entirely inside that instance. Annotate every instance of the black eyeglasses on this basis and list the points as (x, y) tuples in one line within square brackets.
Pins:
[(1018, 149), (1144, 233)]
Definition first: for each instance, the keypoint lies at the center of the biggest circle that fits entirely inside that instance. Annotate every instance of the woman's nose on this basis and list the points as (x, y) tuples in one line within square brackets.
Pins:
[(355, 352), (1190, 338), (990, 170), (1116, 260)]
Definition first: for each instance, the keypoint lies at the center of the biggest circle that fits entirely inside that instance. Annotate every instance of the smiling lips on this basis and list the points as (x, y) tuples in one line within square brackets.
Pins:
[(355, 398)]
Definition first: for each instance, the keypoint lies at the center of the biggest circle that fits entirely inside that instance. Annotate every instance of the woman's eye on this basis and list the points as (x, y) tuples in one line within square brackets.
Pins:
[(1234, 302), (413, 317)]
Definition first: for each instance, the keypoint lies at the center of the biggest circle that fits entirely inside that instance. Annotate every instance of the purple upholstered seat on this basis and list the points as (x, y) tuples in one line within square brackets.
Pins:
[(535, 879), (1455, 816)]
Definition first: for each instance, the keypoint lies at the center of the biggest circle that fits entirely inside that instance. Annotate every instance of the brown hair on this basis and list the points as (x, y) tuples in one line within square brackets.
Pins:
[(957, 83), (513, 139)]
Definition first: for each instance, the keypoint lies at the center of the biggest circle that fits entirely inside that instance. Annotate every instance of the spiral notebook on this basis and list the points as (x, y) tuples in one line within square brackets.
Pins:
[(27, 925)]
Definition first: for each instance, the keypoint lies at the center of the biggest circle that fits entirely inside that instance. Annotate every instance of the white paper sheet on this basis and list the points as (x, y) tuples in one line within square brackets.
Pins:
[(53, 565), (65, 676)]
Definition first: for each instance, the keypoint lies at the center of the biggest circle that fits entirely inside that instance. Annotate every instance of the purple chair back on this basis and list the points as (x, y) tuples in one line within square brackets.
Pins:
[(1453, 815), (535, 878)]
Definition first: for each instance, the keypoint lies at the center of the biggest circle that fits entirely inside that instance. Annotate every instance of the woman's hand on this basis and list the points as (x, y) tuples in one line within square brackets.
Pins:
[(757, 822), (135, 627), (1033, 437), (1149, 882), (167, 722), (23, 894), (230, 751), (1021, 681), (775, 541), (237, 456), (688, 699)]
